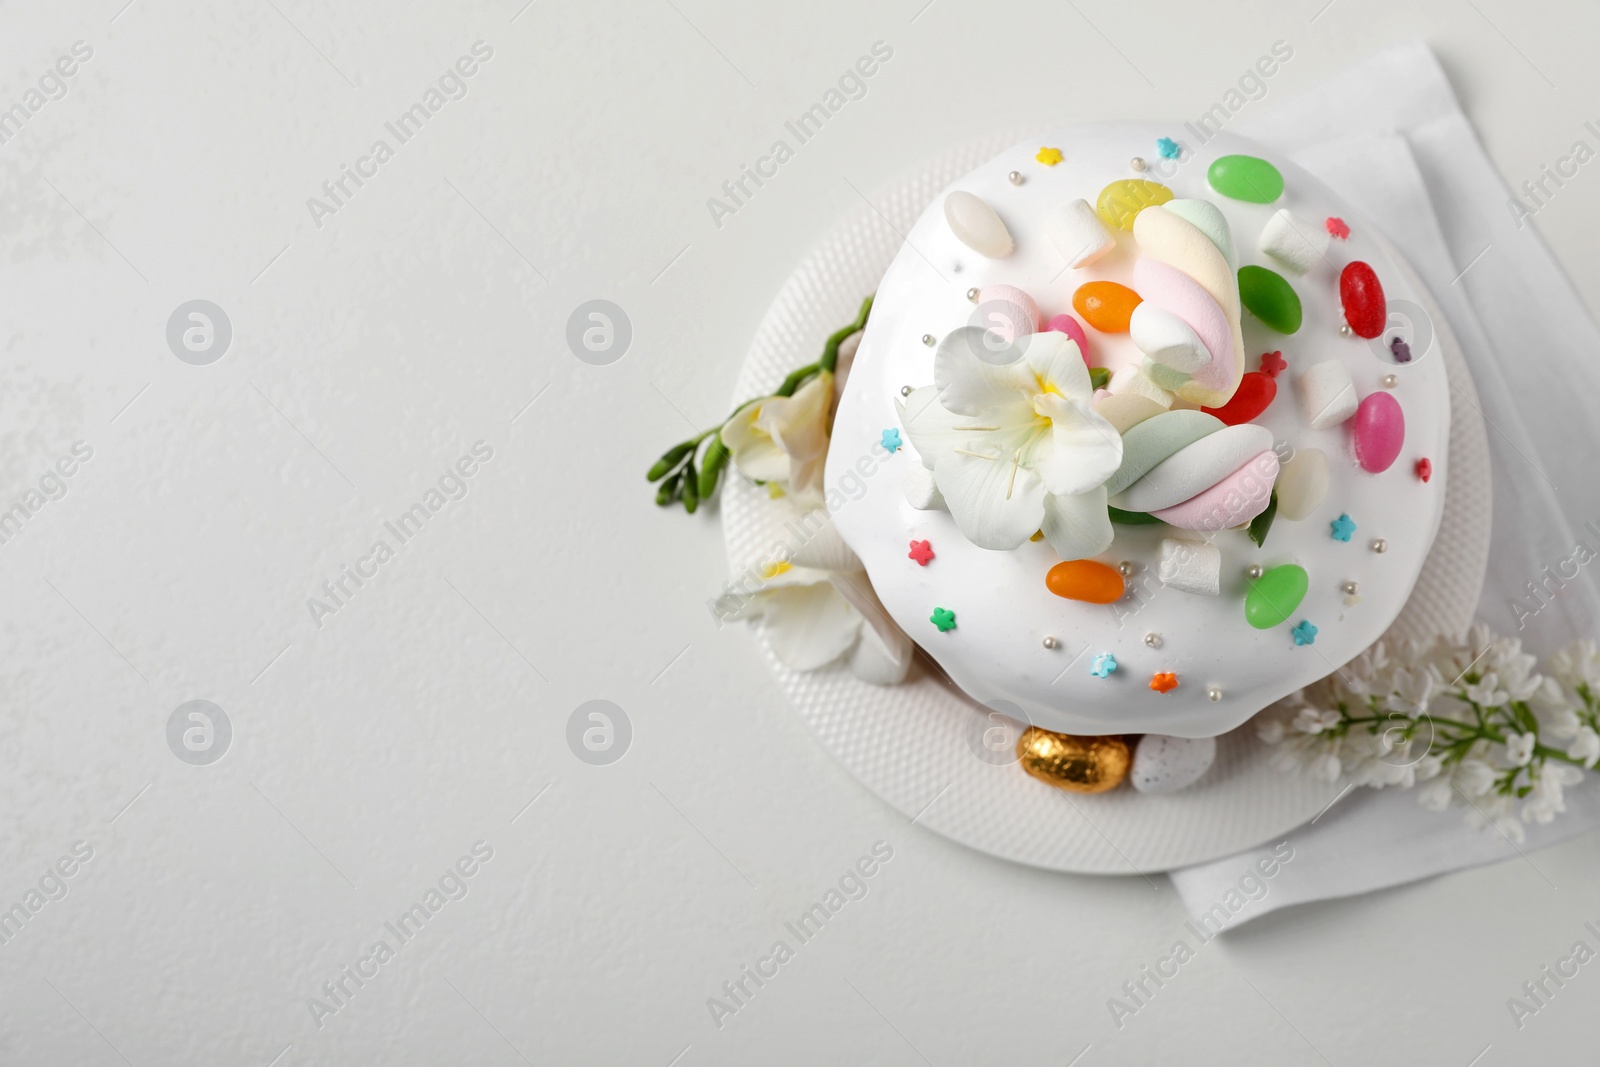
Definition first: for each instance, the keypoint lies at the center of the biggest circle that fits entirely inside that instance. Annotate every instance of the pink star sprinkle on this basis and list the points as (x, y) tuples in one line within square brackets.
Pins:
[(1424, 469), (1337, 228), (1272, 363), (921, 551)]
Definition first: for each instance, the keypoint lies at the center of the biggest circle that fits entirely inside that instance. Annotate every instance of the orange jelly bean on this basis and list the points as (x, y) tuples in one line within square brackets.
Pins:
[(1106, 306), (1086, 580)]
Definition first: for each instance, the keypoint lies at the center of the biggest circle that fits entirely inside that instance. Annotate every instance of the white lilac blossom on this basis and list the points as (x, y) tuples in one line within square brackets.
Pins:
[(1469, 723)]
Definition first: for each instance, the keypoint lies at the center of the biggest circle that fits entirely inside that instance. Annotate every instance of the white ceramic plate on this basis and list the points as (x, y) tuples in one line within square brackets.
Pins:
[(920, 746)]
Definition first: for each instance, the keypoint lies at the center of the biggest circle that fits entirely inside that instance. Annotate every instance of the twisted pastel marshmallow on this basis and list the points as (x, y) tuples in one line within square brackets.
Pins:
[(1206, 299), (1191, 471)]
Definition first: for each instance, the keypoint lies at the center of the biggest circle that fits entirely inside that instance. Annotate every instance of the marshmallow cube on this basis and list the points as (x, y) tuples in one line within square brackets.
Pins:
[(1191, 566), (1078, 234), (1292, 241), (1327, 394)]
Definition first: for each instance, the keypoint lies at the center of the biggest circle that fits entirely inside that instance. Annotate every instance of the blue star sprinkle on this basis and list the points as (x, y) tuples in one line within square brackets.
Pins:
[(1169, 148), (1305, 633), (891, 441), (1342, 528), (1103, 665)]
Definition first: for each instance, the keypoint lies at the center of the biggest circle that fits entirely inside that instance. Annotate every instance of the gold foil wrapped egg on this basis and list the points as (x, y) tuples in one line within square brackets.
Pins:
[(1076, 764)]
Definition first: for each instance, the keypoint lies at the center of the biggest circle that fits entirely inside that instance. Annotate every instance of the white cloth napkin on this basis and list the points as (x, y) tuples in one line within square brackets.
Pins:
[(1390, 136)]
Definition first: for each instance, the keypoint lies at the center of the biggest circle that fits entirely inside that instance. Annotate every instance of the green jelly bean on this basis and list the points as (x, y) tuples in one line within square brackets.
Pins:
[(1246, 178), (1274, 596), (1267, 296)]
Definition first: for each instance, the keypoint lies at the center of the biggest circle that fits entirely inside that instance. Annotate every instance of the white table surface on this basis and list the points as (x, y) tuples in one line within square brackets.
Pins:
[(371, 753)]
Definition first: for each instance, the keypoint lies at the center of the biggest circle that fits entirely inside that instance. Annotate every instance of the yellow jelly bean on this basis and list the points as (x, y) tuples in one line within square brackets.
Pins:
[(1107, 306), (1120, 201)]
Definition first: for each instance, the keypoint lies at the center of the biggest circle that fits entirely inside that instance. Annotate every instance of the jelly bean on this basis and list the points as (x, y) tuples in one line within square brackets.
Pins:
[(1246, 178), (1365, 308), (1302, 483), (1107, 306), (1075, 764), (1274, 596), (1164, 764), (1379, 430), (1121, 201), (1270, 298), (1235, 500), (1068, 325), (1086, 580), (977, 226), (1255, 392)]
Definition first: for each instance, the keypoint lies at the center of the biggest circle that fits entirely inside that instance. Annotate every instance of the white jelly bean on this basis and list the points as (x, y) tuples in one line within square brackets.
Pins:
[(977, 226)]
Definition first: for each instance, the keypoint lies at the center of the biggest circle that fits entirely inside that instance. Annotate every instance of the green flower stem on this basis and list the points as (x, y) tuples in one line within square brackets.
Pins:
[(678, 461)]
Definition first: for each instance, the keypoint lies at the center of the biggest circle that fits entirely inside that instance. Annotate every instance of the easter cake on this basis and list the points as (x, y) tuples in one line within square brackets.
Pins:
[(1159, 453)]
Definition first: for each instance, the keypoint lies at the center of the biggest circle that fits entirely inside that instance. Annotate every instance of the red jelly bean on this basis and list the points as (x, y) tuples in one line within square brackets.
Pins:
[(1365, 308), (1255, 393)]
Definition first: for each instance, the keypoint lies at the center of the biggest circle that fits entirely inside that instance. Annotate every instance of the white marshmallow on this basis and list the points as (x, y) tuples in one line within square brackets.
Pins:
[(921, 492), (1078, 234), (1327, 394), (1130, 379), (1292, 241), (1167, 339), (1191, 566)]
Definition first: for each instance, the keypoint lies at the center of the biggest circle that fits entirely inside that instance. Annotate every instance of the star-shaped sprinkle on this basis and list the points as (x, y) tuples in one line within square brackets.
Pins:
[(891, 439), (1103, 665), (1342, 528), (1272, 363), (944, 619), (1337, 228), (1401, 350), (1163, 681), (1305, 633), (1049, 156), (1424, 469), (921, 551), (1169, 148)]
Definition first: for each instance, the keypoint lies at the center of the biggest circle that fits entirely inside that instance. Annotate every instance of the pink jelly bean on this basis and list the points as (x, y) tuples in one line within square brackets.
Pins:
[(1008, 311), (1068, 325), (1365, 308), (1379, 429)]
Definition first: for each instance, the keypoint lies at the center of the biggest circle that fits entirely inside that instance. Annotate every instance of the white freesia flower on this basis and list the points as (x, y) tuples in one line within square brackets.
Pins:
[(816, 607), (783, 440), (1016, 448)]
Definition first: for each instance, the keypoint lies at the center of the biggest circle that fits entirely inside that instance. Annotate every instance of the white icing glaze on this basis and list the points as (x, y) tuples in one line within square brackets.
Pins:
[(1002, 606)]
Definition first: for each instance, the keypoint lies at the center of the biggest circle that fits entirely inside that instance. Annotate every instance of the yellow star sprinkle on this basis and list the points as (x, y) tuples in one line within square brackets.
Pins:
[(1049, 156)]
